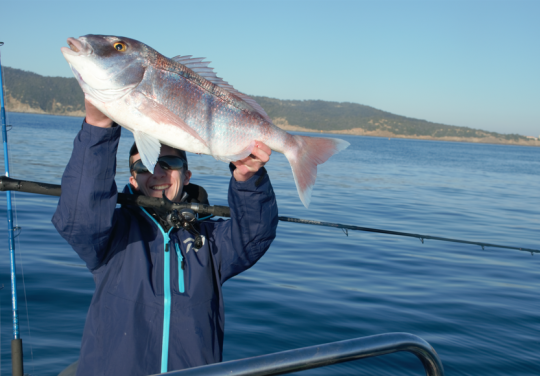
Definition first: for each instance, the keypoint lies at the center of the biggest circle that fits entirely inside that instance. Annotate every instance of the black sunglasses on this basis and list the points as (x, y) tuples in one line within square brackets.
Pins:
[(167, 162)]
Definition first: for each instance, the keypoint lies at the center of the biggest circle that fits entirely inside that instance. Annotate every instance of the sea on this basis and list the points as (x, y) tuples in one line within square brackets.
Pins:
[(478, 308)]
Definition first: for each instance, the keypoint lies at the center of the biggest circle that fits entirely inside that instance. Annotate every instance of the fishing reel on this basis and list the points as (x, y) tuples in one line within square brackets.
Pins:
[(185, 218)]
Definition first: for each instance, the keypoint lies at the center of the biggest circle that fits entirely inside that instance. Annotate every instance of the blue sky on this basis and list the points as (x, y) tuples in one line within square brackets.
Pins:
[(472, 63)]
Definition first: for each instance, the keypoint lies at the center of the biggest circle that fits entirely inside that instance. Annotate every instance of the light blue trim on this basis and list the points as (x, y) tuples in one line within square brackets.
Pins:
[(166, 291), (181, 287), (205, 218), (166, 303)]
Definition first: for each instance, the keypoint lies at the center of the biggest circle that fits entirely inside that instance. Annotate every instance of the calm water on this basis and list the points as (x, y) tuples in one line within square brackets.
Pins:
[(478, 308)]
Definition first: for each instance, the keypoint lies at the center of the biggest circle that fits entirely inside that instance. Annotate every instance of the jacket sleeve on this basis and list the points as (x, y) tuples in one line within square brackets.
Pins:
[(241, 241), (86, 215)]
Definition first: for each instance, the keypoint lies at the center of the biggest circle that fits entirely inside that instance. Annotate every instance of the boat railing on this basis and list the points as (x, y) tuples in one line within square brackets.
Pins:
[(324, 355)]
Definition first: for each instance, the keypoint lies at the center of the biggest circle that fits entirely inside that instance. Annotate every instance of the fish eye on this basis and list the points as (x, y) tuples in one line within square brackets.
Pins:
[(120, 46)]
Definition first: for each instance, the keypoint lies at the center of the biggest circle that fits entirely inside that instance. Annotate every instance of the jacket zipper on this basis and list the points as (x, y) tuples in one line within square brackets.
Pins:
[(181, 267), (166, 291), (166, 300)]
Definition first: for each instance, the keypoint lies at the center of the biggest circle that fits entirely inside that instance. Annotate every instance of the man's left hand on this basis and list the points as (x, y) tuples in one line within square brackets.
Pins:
[(247, 167)]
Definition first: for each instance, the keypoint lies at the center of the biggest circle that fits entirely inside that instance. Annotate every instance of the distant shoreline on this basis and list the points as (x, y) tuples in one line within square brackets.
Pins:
[(283, 124), (389, 135), (352, 132)]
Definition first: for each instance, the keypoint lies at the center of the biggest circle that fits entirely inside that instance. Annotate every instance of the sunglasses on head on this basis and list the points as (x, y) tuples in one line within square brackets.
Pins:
[(167, 162)]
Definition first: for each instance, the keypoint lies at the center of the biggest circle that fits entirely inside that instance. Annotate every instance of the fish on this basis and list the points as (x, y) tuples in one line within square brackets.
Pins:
[(180, 102)]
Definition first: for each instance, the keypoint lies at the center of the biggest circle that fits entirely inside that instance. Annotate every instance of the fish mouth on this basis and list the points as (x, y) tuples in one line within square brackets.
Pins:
[(77, 47), (73, 44)]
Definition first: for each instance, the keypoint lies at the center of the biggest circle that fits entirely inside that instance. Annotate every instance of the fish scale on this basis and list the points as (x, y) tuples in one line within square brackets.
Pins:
[(209, 116), (181, 103)]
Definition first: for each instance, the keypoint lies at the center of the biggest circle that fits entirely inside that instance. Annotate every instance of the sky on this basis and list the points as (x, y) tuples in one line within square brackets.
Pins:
[(473, 63)]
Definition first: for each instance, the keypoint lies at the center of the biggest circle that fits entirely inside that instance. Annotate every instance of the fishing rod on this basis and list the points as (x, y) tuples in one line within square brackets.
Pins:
[(8, 184), (16, 342)]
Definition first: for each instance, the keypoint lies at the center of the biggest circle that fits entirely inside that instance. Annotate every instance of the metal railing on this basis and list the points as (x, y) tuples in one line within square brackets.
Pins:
[(324, 355)]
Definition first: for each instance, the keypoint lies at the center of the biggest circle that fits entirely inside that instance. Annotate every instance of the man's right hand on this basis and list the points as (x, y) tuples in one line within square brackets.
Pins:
[(95, 117)]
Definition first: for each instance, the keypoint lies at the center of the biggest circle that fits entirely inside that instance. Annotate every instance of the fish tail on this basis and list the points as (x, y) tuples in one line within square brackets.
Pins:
[(305, 155)]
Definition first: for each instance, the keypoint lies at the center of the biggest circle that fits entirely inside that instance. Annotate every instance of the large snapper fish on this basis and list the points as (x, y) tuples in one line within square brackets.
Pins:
[(181, 102)]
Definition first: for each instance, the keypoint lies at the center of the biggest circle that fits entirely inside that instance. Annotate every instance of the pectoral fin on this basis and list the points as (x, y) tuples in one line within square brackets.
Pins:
[(149, 148), (162, 115)]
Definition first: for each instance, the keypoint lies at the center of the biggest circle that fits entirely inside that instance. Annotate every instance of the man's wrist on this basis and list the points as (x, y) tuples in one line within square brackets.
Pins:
[(101, 123), (242, 177), (254, 180)]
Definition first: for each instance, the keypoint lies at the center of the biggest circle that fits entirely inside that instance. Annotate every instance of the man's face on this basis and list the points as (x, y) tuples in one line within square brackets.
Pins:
[(152, 185)]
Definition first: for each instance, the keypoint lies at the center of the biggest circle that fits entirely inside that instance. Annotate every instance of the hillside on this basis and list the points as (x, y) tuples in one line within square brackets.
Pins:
[(30, 92), (356, 118)]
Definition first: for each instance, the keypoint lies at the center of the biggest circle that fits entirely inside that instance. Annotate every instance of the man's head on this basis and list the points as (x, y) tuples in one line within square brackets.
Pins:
[(163, 178)]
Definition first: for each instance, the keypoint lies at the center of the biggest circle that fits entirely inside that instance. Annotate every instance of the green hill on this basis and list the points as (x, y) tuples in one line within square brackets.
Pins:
[(30, 92), (340, 116)]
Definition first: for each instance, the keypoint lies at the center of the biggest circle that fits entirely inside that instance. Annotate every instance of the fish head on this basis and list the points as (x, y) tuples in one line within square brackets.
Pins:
[(106, 67)]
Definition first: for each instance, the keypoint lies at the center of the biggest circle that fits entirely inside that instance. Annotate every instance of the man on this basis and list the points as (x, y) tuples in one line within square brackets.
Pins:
[(158, 304)]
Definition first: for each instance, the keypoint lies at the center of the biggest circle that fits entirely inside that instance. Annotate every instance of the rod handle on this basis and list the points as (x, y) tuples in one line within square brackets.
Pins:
[(17, 357)]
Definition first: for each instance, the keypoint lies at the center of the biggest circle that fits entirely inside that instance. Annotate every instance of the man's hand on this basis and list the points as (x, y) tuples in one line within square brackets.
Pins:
[(95, 117), (248, 166)]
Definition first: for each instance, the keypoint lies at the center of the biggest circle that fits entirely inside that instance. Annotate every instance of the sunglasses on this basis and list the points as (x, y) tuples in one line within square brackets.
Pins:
[(167, 162)]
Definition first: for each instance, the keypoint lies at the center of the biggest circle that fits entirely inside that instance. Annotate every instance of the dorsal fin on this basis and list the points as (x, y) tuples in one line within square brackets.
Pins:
[(201, 67)]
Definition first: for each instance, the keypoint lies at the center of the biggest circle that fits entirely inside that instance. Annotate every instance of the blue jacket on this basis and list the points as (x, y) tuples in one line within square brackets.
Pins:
[(158, 304)]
